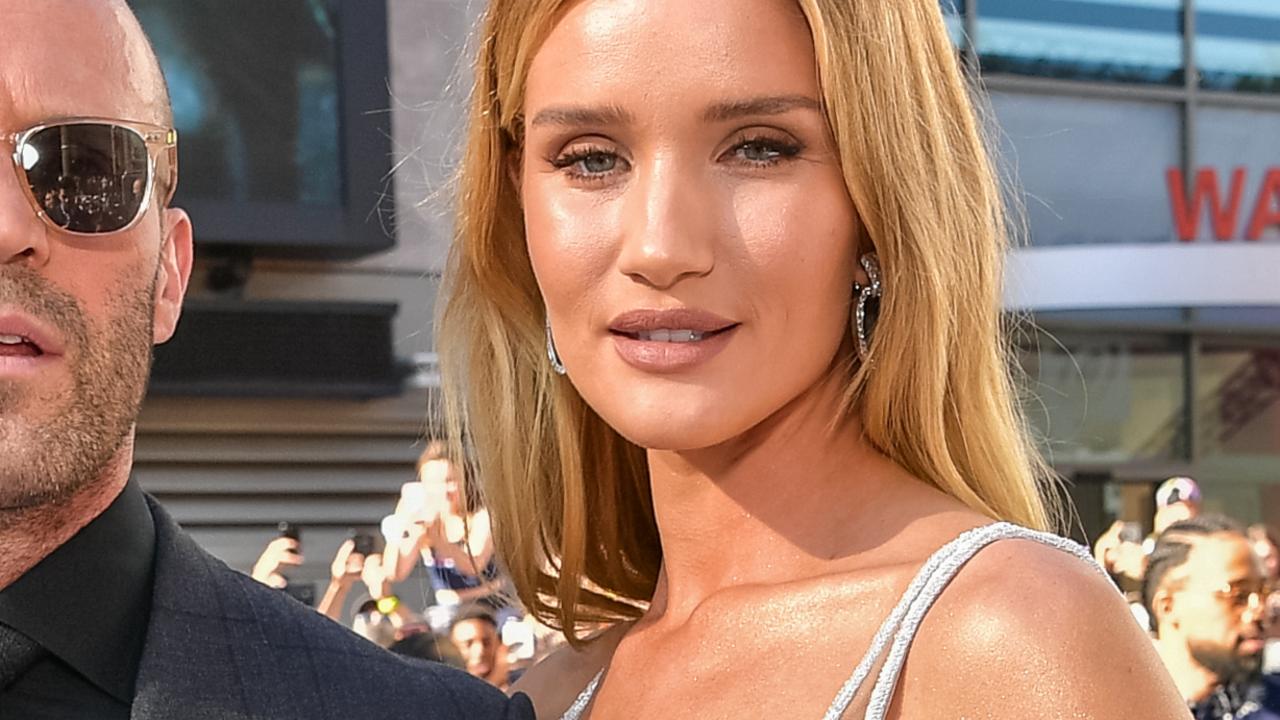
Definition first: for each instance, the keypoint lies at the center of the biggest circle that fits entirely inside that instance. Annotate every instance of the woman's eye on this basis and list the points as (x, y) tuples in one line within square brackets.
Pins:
[(765, 151), (589, 163), (596, 163)]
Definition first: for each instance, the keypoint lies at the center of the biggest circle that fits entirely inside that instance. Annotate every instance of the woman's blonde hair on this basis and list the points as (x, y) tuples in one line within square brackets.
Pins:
[(570, 501)]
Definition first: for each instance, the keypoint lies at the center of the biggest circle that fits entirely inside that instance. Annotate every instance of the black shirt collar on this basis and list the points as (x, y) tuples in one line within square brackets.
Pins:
[(89, 601)]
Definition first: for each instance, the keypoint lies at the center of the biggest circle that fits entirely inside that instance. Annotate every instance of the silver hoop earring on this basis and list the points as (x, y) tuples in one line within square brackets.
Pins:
[(865, 317), (552, 355)]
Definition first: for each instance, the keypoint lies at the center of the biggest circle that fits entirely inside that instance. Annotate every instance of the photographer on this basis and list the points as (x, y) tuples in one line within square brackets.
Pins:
[(437, 524), (345, 571), (281, 553)]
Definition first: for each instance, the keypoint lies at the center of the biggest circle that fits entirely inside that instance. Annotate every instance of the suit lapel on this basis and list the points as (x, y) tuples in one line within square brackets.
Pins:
[(197, 655)]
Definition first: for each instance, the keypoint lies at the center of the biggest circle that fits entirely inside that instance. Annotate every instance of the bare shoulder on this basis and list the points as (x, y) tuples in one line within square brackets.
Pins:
[(557, 680), (1027, 630)]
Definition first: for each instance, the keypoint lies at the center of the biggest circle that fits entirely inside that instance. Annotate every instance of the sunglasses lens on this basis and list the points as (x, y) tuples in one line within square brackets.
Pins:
[(87, 177)]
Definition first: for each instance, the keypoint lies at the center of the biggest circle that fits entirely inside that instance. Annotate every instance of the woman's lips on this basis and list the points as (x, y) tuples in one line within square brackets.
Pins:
[(658, 356), (634, 322)]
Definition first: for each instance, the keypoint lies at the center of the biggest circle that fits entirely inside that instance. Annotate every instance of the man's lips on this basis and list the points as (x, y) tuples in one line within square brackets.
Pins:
[(1251, 645), (37, 338)]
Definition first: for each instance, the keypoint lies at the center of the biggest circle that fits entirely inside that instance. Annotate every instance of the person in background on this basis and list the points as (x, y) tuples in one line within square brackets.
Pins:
[(345, 571), (1206, 594), (383, 618), (436, 523), (1123, 551), (1177, 499), (430, 647), (1266, 549), (475, 634), (279, 555)]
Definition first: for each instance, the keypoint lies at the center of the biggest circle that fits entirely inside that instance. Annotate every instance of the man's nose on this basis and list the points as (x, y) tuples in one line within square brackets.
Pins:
[(669, 233), (1254, 612), (23, 235)]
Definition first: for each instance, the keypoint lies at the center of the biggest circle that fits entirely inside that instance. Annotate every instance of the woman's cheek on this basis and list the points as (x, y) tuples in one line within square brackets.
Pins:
[(793, 233), (572, 242)]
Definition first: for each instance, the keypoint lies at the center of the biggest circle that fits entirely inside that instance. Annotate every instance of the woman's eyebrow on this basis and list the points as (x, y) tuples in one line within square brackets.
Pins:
[(606, 115), (575, 115), (754, 107)]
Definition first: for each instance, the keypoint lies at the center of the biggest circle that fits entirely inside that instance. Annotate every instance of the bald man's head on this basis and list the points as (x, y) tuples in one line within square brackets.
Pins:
[(151, 83), (79, 45)]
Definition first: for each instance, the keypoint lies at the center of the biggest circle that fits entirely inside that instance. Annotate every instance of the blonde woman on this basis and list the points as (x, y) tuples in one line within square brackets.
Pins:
[(723, 333), (435, 525)]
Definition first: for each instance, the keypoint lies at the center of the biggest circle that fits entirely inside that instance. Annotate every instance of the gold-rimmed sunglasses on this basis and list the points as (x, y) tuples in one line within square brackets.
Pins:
[(1237, 596), (95, 176)]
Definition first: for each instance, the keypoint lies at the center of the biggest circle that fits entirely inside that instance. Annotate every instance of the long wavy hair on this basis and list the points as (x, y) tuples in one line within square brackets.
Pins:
[(569, 497)]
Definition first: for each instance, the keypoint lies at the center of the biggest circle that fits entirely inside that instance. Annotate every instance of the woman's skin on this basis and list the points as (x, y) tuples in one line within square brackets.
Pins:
[(676, 157)]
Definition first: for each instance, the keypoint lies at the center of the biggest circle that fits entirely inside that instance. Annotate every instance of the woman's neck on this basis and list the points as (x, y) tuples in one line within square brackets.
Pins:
[(779, 503)]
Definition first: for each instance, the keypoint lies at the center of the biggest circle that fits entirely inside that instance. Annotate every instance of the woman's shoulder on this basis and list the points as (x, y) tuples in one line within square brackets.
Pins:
[(557, 680), (1035, 627)]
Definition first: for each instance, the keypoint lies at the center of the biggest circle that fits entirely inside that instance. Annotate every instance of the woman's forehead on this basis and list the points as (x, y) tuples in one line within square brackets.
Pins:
[(653, 49)]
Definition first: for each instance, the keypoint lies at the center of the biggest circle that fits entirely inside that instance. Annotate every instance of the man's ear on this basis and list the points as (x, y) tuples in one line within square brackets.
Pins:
[(173, 274), (1162, 608)]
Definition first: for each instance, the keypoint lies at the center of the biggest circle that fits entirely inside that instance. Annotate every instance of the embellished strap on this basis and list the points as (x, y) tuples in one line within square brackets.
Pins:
[(584, 699), (886, 631), (951, 559)]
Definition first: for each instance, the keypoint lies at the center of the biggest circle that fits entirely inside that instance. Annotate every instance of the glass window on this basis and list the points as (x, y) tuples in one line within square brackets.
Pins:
[(255, 96), (1238, 387), (1088, 170), (1238, 44), (1240, 318), (1106, 398), (1237, 183), (1129, 40)]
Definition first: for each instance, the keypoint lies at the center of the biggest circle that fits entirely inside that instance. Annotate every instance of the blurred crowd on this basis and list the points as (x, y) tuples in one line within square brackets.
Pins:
[(437, 542), (1203, 586), (1200, 584)]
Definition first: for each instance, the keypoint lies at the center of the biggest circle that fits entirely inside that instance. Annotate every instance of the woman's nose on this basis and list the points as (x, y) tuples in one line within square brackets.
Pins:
[(669, 226)]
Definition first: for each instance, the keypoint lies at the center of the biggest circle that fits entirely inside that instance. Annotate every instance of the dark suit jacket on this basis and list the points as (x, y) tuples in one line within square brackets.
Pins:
[(222, 646)]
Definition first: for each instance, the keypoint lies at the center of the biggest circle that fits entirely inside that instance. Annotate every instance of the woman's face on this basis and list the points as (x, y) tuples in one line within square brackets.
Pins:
[(685, 212), (440, 478)]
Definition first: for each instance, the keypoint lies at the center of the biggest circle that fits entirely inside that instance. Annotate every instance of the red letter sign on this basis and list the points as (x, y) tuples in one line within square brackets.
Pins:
[(1267, 212), (1186, 214)]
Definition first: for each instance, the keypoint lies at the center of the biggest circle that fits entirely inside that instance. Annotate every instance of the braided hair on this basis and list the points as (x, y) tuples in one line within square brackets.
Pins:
[(1172, 549)]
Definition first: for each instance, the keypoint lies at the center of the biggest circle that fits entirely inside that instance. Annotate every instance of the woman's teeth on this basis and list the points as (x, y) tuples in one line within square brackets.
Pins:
[(674, 336)]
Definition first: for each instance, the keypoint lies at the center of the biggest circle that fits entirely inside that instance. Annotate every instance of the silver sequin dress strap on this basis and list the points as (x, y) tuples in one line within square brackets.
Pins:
[(903, 623), (584, 699)]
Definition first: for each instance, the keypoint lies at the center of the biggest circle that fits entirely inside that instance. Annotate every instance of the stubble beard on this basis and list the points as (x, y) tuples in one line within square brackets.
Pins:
[(50, 460), (1230, 667)]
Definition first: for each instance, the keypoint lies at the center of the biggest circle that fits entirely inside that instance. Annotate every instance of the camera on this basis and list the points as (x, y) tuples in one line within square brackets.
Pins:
[(365, 542)]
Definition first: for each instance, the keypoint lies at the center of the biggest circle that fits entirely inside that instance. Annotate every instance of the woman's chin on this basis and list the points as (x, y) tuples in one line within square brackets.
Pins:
[(675, 430)]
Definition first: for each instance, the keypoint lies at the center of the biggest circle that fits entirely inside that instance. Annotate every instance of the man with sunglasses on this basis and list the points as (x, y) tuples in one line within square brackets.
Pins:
[(1206, 594), (107, 610)]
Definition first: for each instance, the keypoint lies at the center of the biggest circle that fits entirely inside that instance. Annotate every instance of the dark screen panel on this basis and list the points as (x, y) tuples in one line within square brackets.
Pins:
[(255, 95)]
